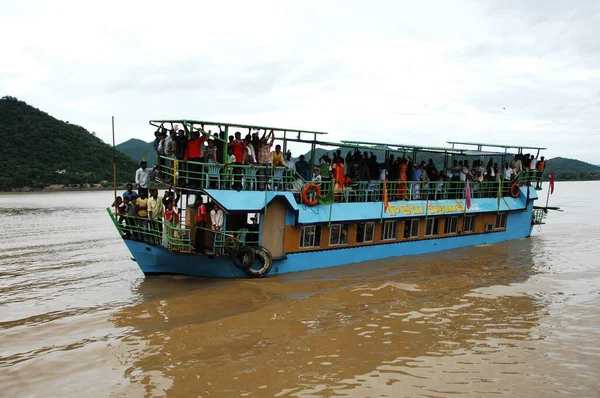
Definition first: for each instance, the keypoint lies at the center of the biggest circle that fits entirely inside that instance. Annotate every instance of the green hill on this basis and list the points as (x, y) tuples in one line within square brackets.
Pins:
[(38, 150), (571, 169), (138, 149)]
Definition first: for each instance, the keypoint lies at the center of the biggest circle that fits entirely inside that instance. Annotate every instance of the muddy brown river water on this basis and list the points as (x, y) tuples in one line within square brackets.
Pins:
[(78, 318)]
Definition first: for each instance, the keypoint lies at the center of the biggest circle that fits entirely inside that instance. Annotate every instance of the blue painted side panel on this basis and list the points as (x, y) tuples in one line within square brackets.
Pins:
[(152, 259), (356, 211)]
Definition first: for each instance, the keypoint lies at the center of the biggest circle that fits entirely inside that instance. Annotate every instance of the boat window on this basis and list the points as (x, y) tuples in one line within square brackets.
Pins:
[(501, 220), (389, 230), (411, 228), (365, 232), (469, 224), (310, 236), (338, 234), (431, 228), (451, 225)]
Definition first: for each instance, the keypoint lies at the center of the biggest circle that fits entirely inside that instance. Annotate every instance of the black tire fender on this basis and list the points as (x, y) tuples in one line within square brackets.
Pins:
[(243, 258), (264, 257)]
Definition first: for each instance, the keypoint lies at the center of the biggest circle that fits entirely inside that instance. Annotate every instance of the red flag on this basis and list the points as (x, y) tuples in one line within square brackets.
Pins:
[(385, 196), (468, 195), (552, 182)]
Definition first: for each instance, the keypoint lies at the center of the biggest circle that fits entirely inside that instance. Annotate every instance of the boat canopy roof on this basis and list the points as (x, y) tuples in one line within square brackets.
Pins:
[(480, 145), (188, 122), (401, 147), (291, 134)]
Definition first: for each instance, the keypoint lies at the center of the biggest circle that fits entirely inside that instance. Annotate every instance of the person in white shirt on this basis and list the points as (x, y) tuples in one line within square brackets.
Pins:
[(317, 177), (289, 162), (533, 164), (508, 172), (216, 217), (142, 177)]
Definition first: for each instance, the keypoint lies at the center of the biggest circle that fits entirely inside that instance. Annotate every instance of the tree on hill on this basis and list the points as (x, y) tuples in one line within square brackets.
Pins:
[(39, 150), (138, 150), (571, 169)]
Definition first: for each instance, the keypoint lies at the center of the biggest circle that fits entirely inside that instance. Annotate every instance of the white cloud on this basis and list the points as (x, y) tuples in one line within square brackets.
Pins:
[(411, 72)]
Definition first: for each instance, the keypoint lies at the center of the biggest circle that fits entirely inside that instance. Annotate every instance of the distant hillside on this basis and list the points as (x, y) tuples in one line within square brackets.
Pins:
[(572, 169), (138, 150), (38, 150)]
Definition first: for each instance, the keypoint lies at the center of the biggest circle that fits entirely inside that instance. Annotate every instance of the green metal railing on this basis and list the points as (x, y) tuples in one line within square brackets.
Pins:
[(225, 242), (178, 238), (259, 177), (228, 176), (151, 231)]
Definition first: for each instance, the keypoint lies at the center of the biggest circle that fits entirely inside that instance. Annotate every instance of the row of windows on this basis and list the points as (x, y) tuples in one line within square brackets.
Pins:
[(310, 236)]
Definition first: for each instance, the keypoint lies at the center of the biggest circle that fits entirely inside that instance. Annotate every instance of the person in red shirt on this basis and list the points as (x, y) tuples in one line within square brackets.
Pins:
[(239, 150), (200, 225), (194, 153)]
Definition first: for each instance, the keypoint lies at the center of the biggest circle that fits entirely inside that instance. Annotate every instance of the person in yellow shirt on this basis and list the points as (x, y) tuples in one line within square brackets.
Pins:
[(141, 205), (155, 213), (277, 159)]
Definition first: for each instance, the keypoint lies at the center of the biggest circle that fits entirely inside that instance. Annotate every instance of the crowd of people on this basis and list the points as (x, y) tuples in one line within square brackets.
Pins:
[(142, 217), (342, 172), (192, 147), (409, 179)]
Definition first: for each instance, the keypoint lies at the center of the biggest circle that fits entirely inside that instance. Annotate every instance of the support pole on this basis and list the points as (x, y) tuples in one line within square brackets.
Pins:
[(114, 159)]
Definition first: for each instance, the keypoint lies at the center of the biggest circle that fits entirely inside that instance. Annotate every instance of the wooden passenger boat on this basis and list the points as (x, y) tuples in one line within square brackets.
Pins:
[(288, 226)]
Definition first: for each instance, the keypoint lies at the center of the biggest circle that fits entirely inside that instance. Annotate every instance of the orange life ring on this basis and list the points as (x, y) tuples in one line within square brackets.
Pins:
[(515, 190), (306, 189)]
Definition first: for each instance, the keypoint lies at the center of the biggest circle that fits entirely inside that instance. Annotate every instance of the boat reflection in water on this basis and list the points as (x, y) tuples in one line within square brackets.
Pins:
[(416, 325)]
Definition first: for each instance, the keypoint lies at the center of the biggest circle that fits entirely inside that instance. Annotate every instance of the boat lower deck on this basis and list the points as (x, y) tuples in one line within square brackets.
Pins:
[(158, 260)]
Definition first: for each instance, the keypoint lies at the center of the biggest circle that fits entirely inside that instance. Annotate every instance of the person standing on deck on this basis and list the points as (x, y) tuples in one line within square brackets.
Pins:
[(211, 152), (201, 222), (508, 172), (216, 220), (277, 157), (317, 177), (130, 193), (172, 220), (155, 215), (264, 157), (171, 145), (216, 217), (338, 175), (416, 175), (161, 154), (540, 167), (194, 152), (130, 218), (402, 192), (142, 178), (141, 205), (302, 167), (239, 150), (289, 162)]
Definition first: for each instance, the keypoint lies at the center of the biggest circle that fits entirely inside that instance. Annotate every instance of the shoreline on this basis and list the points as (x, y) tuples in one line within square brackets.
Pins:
[(50, 189)]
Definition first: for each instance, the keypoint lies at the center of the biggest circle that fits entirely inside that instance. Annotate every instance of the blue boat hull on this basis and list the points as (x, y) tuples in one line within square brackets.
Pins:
[(158, 260)]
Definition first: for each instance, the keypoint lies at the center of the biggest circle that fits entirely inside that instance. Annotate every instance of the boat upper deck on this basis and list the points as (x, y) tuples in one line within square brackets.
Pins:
[(207, 157)]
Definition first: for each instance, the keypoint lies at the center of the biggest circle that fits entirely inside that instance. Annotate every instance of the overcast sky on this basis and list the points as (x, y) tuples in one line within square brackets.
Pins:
[(519, 72)]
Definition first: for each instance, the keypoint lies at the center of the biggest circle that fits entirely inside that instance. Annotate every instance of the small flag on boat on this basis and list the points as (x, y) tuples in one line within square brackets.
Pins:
[(468, 195), (552, 182), (385, 196)]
